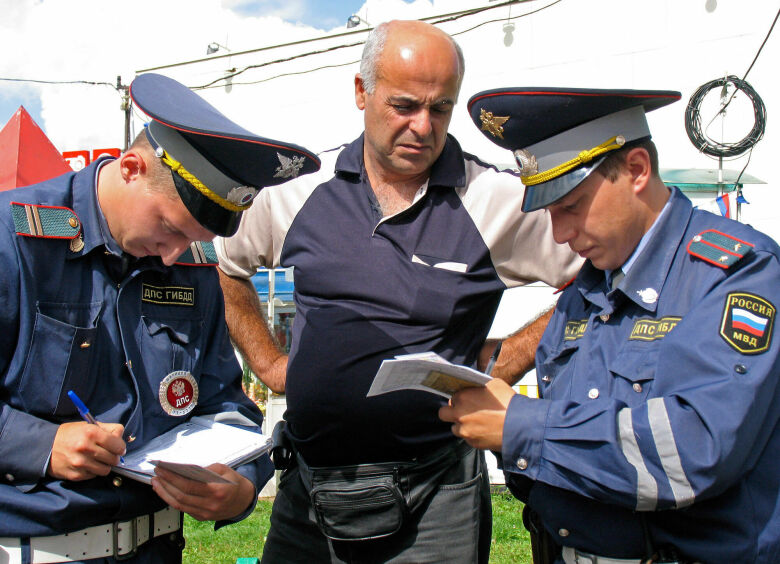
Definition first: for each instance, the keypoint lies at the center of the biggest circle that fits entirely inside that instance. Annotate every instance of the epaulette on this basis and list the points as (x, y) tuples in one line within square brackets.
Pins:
[(200, 253), (50, 222), (718, 248)]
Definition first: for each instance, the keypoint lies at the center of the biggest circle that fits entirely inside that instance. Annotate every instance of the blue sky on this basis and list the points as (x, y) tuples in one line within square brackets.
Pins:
[(323, 14), (320, 14)]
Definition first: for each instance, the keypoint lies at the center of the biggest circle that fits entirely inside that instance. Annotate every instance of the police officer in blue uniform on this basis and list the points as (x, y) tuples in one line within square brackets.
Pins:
[(656, 437), (108, 291)]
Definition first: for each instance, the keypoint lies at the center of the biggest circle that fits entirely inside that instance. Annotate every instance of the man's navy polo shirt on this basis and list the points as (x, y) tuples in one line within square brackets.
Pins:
[(368, 288)]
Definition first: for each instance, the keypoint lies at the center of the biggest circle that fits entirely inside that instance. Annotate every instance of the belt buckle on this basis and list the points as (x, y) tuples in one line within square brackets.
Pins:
[(133, 541)]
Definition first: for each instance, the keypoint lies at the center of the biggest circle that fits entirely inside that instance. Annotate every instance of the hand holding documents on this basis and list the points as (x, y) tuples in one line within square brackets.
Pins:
[(427, 372), (188, 448)]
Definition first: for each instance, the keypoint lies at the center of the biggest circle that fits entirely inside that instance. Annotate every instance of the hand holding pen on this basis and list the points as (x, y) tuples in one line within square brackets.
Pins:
[(81, 452)]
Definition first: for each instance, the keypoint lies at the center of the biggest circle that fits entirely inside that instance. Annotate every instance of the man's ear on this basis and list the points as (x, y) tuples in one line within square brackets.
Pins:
[(639, 167), (132, 166), (360, 92)]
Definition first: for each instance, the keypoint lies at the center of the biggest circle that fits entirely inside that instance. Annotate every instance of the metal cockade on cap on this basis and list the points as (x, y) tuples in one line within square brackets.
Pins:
[(526, 162), (242, 195)]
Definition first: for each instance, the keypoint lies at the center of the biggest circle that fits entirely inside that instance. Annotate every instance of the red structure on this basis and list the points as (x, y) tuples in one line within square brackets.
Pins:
[(26, 154)]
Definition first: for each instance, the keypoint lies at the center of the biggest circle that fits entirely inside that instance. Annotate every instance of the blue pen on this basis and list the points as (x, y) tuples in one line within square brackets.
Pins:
[(85, 414), (493, 358)]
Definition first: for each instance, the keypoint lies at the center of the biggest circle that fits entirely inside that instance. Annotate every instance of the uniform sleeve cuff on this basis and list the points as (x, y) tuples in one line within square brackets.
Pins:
[(524, 428), (25, 448)]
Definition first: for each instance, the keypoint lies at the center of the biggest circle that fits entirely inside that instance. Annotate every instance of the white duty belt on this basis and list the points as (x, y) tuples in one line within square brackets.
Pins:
[(115, 540), (574, 556)]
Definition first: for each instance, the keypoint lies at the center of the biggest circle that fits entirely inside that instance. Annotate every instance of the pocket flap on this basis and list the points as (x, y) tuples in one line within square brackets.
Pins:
[(178, 330), (634, 365)]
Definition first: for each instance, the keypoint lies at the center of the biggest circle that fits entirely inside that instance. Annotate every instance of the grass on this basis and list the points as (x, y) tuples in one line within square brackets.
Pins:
[(245, 539)]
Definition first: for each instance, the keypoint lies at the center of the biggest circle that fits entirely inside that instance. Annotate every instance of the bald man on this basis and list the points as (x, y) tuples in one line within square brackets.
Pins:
[(406, 248)]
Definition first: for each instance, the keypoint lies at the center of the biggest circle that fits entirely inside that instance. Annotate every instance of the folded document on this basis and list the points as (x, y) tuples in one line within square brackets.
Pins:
[(427, 372)]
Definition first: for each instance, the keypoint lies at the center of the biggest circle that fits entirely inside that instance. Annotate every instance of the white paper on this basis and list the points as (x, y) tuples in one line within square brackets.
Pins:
[(200, 442), (427, 372), (192, 472)]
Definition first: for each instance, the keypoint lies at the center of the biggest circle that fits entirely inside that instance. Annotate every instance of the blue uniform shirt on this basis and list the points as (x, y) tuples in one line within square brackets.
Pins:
[(68, 325), (661, 400)]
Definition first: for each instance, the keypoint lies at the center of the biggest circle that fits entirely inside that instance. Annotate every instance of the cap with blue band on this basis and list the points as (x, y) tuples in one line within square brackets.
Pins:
[(559, 136), (218, 167)]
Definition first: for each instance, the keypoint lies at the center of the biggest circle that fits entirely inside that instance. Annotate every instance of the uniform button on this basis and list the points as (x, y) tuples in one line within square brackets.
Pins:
[(604, 317), (10, 477), (85, 345), (593, 393), (563, 532), (546, 378), (76, 244), (637, 387), (73, 222), (117, 481), (129, 364), (740, 369), (522, 463), (131, 438)]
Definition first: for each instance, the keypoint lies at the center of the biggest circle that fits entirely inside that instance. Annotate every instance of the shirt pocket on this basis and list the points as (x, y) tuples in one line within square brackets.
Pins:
[(438, 288), (170, 343), (634, 371), (59, 358)]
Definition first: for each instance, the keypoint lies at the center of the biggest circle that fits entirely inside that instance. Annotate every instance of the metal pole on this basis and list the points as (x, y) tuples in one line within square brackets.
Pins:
[(125, 107)]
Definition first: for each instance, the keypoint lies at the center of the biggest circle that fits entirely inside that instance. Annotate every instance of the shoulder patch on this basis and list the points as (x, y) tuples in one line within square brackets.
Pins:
[(718, 248), (747, 322), (200, 253), (49, 222)]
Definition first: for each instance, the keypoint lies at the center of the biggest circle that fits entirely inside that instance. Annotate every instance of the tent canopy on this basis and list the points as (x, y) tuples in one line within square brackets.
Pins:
[(26, 154)]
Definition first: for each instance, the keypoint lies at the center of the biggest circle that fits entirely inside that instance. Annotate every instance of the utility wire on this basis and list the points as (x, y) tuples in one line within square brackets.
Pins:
[(260, 65), (453, 15), (762, 45), (87, 82), (441, 18), (444, 18)]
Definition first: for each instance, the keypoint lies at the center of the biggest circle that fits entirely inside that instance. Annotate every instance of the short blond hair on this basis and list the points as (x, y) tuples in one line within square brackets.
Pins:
[(159, 175)]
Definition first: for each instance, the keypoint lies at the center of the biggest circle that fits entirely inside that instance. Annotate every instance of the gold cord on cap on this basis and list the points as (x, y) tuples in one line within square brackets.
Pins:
[(202, 188), (584, 157)]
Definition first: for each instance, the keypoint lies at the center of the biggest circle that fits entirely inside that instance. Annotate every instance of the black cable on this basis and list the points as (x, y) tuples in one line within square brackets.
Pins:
[(218, 82), (87, 82), (762, 45), (715, 148)]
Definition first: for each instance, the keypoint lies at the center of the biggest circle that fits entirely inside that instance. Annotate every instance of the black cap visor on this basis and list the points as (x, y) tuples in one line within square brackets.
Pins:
[(542, 195), (209, 214)]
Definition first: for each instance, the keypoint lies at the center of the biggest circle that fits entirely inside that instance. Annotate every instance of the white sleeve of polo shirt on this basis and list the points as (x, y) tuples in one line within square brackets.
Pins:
[(260, 237), (521, 244)]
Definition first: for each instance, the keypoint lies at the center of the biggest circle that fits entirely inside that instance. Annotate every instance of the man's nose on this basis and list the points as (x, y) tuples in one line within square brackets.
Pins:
[(173, 251), (421, 123), (563, 231)]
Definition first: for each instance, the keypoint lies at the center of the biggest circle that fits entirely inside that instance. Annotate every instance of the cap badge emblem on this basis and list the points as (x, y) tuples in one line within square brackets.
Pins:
[(242, 195), (178, 393), (492, 124), (289, 167), (526, 162)]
